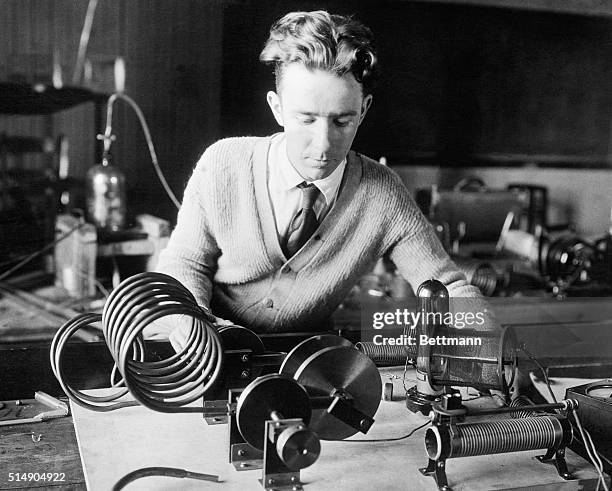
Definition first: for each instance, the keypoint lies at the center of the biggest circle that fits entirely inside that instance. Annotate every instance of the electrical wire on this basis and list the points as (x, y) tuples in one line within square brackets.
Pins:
[(395, 439), (162, 471), (84, 42), (542, 369), (108, 137), (37, 253), (591, 452)]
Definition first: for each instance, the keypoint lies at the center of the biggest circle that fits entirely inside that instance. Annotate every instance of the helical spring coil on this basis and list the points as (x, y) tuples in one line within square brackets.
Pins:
[(166, 385), (385, 355), (479, 274), (511, 435), (522, 401)]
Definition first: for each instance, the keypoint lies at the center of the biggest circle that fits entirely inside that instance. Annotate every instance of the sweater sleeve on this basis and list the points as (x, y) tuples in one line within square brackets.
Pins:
[(192, 251), (419, 256)]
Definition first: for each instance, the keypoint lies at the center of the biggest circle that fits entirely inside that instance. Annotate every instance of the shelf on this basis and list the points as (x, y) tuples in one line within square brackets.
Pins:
[(42, 99)]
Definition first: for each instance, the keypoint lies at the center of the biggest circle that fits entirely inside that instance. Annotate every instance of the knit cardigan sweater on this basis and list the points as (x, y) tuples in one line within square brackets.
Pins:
[(225, 249)]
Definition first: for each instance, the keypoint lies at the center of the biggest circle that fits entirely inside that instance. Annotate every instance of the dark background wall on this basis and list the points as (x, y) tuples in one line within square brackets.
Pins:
[(458, 80), (462, 84)]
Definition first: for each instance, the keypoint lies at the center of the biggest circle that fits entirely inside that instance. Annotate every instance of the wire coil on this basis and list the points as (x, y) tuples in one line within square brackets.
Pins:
[(479, 274), (166, 385), (521, 401), (385, 355), (502, 436)]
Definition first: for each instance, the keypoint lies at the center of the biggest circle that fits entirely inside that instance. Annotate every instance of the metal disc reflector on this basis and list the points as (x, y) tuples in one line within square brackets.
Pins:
[(308, 347), (273, 392), (340, 369)]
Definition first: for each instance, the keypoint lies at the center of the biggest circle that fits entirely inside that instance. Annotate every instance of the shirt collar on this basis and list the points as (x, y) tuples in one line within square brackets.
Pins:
[(289, 178)]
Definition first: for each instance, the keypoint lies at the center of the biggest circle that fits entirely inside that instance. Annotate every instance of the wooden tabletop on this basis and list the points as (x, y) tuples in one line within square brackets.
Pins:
[(28, 451)]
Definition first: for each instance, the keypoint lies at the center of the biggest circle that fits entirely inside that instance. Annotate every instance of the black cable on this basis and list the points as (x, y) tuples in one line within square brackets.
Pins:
[(164, 472), (542, 369), (396, 439)]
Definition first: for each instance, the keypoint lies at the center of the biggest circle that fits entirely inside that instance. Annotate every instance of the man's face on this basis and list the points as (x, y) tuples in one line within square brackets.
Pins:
[(320, 113)]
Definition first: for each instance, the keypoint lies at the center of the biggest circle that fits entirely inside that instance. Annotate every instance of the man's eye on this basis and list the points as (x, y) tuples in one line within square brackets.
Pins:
[(306, 120), (340, 123)]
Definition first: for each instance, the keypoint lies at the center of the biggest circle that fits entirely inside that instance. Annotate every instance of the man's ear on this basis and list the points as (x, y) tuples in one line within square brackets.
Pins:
[(275, 105), (365, 105)]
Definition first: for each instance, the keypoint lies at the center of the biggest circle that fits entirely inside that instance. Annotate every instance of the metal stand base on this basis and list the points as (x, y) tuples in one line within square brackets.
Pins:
[(215, 412), (276, 475), (242, 455), (558, 458), (436, 469), (418, 402)]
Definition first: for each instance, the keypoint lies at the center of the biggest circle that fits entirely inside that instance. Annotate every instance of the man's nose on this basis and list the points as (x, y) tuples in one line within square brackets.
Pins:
[(322, 137)]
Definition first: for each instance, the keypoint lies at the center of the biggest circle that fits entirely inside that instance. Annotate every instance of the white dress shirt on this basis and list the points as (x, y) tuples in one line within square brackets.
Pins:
[(286, 197)]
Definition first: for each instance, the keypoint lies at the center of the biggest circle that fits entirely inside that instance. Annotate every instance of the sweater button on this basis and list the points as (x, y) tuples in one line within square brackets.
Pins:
[(268, 303)]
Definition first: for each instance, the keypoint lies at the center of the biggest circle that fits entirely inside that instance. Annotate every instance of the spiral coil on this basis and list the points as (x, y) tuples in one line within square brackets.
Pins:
[(502, 436), (521, 401), (166, 385), (479, 274), (385, 355)]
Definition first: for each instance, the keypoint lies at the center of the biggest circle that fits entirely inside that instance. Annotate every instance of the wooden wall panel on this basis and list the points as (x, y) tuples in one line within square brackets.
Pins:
[(459, 83)]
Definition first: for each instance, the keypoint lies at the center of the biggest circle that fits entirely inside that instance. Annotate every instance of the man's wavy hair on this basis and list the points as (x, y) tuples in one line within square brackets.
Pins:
[(319, 40)]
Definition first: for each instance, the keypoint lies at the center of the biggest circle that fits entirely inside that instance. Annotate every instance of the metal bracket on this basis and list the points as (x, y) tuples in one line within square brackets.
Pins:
[(241, 455), (215, 412), (276, 475), (437, 470), (350, 415), (558, 458)]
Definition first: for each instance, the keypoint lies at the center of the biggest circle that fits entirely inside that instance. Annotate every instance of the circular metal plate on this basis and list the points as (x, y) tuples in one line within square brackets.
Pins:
[(308, 347), (273, 392), (340, 368)]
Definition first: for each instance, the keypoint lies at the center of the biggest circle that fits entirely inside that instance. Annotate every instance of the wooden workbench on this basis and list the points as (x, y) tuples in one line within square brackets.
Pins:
[(46, 447), (113, 444)]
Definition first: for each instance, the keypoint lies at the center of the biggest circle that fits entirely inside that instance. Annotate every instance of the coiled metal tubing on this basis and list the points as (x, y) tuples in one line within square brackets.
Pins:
[(385, 355), (501, 436), (166, 385)]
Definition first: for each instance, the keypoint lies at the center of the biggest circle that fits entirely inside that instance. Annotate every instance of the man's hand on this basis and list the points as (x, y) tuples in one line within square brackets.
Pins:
[(182, 324)]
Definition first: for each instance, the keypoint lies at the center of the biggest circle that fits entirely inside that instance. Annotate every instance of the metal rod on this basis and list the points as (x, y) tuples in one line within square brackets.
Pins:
[(320, 402), (268, 359), (566, 404)]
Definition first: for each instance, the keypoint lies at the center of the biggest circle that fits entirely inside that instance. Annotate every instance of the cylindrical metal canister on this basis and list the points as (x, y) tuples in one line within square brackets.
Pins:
[(106, 200)]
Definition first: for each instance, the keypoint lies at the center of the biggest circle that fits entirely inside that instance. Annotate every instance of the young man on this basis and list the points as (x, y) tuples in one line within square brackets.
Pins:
[(273, 232)]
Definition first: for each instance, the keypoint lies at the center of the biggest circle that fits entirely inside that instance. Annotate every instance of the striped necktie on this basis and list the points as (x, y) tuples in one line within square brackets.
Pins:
[(304, 223)]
